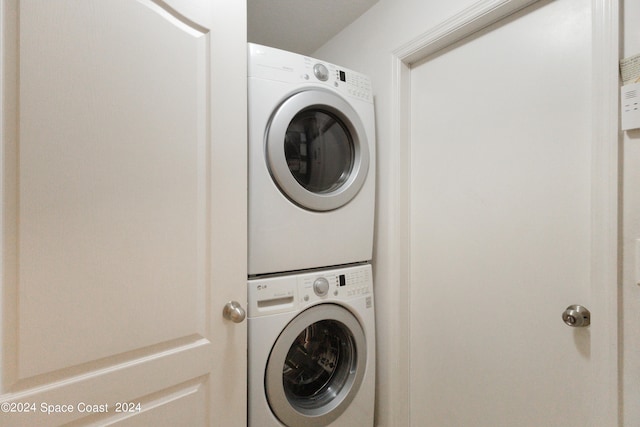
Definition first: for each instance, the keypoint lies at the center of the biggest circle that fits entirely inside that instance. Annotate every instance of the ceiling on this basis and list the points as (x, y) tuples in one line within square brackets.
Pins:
[(300, 26)]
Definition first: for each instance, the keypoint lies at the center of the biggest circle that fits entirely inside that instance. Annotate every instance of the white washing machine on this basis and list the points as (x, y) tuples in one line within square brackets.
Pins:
[(311, 163), (312, 349)]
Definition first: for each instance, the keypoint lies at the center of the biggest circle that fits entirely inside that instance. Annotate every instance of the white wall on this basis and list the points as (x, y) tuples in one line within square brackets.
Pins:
[(366, 46)]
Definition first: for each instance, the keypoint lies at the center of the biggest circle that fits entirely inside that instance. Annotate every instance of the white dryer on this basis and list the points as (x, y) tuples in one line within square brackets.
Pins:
[(311, 163), (312, 349)]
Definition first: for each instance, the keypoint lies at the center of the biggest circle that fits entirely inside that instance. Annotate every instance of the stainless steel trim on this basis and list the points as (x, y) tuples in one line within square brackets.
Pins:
[(277, 162), (322, 416)]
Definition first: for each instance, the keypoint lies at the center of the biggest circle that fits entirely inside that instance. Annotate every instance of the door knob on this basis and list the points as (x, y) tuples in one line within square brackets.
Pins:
[(577, 316), (233, 311)]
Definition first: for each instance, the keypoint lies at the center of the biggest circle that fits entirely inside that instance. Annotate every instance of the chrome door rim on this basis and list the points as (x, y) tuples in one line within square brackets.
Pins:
[(280, 405), (277, 162)]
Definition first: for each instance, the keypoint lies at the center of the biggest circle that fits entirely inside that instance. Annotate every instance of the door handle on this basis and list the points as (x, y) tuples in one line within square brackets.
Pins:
[(577, 316), (233, 311)]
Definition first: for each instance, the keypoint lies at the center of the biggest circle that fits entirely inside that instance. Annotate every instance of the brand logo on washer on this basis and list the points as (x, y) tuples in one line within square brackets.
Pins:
[(262, 287)]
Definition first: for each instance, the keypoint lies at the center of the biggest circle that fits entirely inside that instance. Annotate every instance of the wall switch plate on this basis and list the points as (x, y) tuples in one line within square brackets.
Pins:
[(630, 108)]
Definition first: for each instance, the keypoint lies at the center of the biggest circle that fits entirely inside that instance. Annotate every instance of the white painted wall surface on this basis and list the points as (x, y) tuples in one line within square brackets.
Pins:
[(366, 45)]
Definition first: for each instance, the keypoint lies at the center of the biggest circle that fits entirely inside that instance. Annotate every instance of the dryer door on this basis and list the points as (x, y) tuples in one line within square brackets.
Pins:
[(316, 366), (317, 150)]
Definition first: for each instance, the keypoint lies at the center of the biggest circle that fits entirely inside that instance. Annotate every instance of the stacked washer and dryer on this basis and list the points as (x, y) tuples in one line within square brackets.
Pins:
[(311, 210)]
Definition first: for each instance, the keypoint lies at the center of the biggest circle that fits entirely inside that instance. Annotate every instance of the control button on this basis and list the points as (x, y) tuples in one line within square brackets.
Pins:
[(321, 72), (321, 286)]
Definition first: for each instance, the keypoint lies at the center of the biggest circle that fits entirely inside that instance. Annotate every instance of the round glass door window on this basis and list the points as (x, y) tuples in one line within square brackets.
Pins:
[(317, 150), (318, 364), (316, 367)]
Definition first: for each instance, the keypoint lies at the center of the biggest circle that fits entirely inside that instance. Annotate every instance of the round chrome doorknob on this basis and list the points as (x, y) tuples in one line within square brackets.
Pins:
[(576, 316), (233, 311)]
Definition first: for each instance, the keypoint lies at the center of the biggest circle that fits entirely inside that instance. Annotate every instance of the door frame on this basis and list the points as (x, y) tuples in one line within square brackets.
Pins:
[(604, 189)]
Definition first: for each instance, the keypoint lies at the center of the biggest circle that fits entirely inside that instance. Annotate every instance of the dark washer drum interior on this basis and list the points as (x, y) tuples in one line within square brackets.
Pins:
[(317, 150), (316, 366)]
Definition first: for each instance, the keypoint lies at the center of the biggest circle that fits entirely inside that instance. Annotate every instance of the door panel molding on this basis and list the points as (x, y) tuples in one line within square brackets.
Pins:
[(108, 364), (112, 210), (172, 15), (132, 381), (604, 192)]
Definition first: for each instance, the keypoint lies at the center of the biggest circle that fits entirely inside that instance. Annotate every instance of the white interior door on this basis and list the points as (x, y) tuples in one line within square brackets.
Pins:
[(502, 227), (123, 212)]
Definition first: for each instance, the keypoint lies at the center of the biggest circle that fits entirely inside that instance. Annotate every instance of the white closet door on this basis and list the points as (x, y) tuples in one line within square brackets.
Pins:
[(123, 137), (503, 221)]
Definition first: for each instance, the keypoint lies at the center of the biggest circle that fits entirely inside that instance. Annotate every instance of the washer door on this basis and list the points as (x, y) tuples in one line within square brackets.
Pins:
[(317, 150), (316, 366)]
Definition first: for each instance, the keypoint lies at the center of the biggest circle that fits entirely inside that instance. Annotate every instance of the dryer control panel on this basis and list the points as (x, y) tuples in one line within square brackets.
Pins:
[(275, 64), (271, 295)]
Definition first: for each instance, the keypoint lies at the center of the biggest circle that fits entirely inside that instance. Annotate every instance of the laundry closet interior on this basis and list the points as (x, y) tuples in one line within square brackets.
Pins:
[(494, 162), (282, 213)]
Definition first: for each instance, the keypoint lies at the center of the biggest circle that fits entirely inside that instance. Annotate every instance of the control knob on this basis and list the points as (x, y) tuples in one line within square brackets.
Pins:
[(321, 286), (321, 72)]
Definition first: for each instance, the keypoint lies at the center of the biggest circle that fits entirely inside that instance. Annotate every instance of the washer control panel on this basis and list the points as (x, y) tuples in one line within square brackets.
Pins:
[(271, 295), (335, 284), (279, 65)]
